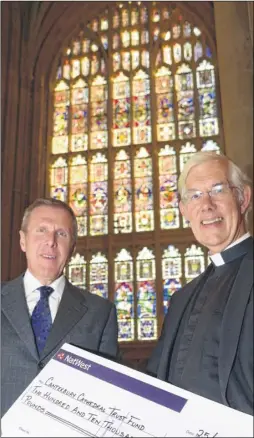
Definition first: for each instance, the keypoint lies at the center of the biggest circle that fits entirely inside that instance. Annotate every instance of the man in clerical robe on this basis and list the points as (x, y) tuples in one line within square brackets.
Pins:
[(206, 344)]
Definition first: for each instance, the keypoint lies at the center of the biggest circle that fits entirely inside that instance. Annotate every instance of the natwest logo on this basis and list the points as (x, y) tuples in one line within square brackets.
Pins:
[(77, 362)]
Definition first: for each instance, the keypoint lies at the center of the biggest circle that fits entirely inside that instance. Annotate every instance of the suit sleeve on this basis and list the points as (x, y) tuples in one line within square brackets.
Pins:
[(109, 339)]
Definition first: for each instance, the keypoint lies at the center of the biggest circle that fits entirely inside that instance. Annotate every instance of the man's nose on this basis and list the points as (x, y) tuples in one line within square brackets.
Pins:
[(207, 202), (51, 238)]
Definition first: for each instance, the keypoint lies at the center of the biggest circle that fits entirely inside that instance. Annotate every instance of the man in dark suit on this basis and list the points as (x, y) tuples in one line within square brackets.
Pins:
[(206, 344), (41, 309)]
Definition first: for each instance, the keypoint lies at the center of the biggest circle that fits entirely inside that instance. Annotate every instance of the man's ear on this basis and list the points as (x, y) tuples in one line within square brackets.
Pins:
[(246, 199), (22, 240)]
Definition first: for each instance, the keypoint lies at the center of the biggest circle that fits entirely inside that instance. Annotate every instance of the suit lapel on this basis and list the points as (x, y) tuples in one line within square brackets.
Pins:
[(174, 319), (71, 309), (233, 319), (15, 309)]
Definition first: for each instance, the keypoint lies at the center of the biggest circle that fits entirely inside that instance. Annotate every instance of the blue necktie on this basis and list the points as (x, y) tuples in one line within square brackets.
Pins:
[(41, 318)]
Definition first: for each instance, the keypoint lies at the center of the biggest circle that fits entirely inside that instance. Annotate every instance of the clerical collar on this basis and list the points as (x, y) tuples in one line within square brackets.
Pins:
[(233, 251)]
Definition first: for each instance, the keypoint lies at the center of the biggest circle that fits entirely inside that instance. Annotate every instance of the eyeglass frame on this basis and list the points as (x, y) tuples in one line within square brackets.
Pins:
[(211, 193)]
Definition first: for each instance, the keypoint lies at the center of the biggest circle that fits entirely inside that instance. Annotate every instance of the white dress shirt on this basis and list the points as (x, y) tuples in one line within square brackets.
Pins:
[(31, 285), (217, 258)]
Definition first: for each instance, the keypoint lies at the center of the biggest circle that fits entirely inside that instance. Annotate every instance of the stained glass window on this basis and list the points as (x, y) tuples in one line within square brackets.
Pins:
[(121, 110), (77, 271), (171, 273), (194, 262), (168, 188), (122, 193), (98, 278), (135, 96), (124, 295), (98, 186), (146, 295), (143, 191)]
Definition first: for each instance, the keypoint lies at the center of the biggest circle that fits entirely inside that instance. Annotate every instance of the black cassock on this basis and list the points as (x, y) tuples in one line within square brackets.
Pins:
[(206, 345)]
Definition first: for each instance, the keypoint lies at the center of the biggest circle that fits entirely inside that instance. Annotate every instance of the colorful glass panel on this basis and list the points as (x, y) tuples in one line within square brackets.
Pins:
[(61, 114), (116, 41), (169, 213), (146, 295), (98, 278), (208, 122), (165, 105), (186, 29), (126, 60), (124, 295), (171, 274), (141, 108), (121, 110), (78, 188), (58, 179), (116, 19), (116, 59), (125, 17), (98, 205), (144, 216), (76, 271), (99, 95), (194, 262), (134, 16), (122, 193), (185, 102)]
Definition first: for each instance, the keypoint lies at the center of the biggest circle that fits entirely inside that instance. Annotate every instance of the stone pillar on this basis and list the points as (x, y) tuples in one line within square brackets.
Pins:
[(235, 62)]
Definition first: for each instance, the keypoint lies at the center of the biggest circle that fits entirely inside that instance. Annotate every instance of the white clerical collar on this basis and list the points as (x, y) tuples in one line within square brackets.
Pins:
[(217, 258)]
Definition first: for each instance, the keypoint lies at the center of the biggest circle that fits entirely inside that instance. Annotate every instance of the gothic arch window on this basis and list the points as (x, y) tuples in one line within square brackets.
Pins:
[(135, 96)]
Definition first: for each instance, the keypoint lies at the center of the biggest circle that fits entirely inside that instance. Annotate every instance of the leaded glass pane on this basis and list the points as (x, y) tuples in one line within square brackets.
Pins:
[(124, 295), (146, 295), (208, 123), (141, 108), (194, 262), (165, 105), (122, 193), (77, 271), (171, 274), (58, 179), (169, 213), (143, 191), (98, 280), (98, 211)]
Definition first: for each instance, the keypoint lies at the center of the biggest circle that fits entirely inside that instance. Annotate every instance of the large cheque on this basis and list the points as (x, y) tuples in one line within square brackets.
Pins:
[(81, 394)]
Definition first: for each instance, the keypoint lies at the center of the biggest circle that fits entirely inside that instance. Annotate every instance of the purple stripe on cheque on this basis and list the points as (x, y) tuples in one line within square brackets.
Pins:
[(135, 386)]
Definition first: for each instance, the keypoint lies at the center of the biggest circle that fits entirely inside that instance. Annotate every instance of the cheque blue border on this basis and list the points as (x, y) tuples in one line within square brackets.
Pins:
[(130, 384)]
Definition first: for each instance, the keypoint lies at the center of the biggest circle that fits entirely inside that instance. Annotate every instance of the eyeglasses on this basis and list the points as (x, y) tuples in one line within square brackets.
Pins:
[(217, 192)]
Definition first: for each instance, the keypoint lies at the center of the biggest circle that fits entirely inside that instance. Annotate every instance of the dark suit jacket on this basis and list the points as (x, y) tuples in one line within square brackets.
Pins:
[(83, 319), (236, 336)]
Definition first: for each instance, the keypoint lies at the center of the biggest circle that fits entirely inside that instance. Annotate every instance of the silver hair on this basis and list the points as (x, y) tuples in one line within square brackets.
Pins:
[(236, 177), (50, 202)]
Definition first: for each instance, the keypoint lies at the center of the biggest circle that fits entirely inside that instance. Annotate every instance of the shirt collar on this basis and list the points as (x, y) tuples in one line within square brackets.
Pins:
[(31, 284), (220, 258)]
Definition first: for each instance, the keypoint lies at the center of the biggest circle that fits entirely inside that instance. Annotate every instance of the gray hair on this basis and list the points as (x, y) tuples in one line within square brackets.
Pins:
[(236, 177), (50, 202)]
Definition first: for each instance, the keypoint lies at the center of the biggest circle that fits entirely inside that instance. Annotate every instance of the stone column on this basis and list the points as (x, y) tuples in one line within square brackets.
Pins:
[(235, 62)]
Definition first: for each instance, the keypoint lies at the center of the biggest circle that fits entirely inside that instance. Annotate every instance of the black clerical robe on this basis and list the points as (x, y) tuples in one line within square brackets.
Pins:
[(206, 345)]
